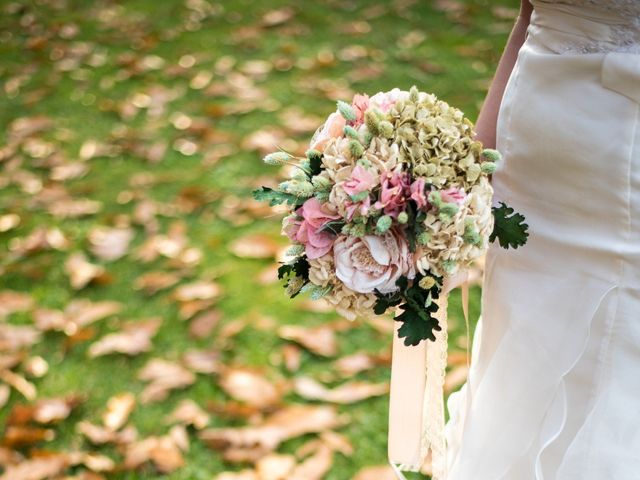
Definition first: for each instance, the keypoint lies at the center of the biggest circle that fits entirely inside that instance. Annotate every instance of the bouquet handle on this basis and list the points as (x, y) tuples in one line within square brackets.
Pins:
[(416, 404)]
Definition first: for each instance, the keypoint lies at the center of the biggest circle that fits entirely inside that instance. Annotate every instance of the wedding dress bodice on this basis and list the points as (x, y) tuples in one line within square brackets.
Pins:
[(620, 17)]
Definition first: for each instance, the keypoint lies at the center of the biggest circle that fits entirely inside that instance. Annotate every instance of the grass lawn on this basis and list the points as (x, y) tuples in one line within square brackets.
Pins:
[(153, 116)]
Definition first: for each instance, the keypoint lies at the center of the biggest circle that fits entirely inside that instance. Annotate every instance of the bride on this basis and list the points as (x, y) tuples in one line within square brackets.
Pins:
[(554, 387)]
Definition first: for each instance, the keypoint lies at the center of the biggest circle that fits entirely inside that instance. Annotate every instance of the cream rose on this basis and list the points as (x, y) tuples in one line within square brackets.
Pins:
[(373, 262)]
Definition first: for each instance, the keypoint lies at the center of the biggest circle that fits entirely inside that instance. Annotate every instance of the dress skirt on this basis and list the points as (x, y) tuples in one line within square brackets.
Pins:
[(554, 387)]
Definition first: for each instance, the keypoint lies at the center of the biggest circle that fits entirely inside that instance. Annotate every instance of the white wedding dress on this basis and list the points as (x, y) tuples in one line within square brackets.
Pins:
[(554, 387)]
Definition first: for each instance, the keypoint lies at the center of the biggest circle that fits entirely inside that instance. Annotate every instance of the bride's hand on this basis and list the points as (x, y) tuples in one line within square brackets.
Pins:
[(454, 281)]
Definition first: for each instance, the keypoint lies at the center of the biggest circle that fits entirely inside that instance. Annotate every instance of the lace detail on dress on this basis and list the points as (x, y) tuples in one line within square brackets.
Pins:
[(622, 17)]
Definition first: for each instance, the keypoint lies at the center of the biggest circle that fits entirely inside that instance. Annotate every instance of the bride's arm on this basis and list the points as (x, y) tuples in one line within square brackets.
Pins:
[(486, 123)]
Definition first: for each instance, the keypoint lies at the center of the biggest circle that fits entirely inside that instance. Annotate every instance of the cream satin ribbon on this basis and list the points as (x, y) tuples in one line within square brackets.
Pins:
[(416, 403)]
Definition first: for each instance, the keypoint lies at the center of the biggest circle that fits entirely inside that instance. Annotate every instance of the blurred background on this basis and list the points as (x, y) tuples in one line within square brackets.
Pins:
[(143, 332)]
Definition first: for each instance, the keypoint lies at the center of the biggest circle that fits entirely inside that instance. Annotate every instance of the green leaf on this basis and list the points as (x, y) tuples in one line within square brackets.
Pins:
[(315, 164), (333, 226), (275, 197), (509, 227)]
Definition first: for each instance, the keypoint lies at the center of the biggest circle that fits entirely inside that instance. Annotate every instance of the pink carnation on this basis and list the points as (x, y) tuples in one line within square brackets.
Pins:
[(417, 193), (307, 231), (453, 195), (360, 105), (392, 199)]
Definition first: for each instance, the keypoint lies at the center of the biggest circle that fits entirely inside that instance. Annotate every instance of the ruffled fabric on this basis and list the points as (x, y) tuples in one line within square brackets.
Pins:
[(553, 390)]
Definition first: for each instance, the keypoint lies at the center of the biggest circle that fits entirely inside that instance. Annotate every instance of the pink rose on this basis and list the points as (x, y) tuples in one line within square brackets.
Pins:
[(453, 195), (362, 180), (373, 262), (332, 128), (417, 193), (385, 101), (360, 105), (317, 243), (395, 187)]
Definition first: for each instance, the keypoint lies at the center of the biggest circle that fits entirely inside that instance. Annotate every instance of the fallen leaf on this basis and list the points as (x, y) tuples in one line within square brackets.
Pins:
[(202, 361), (53, 410), (119, 407), (36, 469), (134, 338), (80, 271), (110, 244), (12, 301), (320, 340), (19, 383), (349, 392), (202, 325), (189, 412), (382, 472), (201, 290), (153, 282), (289, 422), (455, 378), (275, 466), (350, 365), (314, 467), (17, 337), (250, 386), (163, 376), (255, 246)]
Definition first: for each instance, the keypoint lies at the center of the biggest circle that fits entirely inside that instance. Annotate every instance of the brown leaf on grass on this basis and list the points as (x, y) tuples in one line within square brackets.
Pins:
[(189, 412), (314, 467), (77, 315), (455, 378), (202, 361), (229, 330), (255, 246), (291, 354), (202, 325), (36, 367), (200, 290), (12, 301), (277, 17), (81, 272), (355, 363), (289, 422), (93, 461), (320, 340), (19, 383), (337, 442), (37, 468), (99, 435), (119, 407), (68, 207), (110, 244), (134, 338), (349, 392), (163, 376), (9, 457), (5, 392), (275, 466), (41, 238), (153, 282), (264, 141), (18, 436), (17, 337), (250, 386), (53, 410), (382, 472), (163, 452)]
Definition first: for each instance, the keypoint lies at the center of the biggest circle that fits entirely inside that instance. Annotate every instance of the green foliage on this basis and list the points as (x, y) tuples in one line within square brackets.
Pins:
[(417, 305), (276, 197), (509, 227)]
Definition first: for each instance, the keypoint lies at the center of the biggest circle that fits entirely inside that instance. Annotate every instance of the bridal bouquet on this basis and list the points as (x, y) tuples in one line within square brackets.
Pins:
[(392, 196)]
